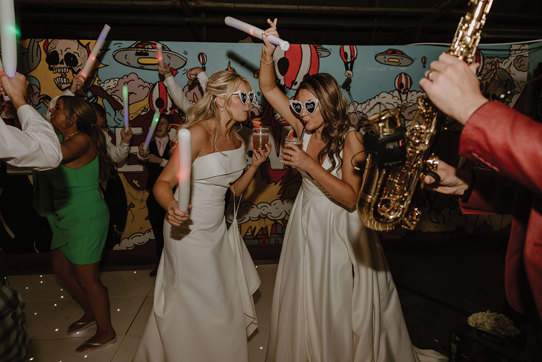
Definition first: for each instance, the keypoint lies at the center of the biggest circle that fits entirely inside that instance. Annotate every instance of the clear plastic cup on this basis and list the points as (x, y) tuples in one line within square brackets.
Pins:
[(260, 137)]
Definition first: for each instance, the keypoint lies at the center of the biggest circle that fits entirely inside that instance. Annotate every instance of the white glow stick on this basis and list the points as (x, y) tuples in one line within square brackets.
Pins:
[(255, 32), (160, 55), (126, 111), (8, 35), (184, 147), (92, 57), (154, 122)]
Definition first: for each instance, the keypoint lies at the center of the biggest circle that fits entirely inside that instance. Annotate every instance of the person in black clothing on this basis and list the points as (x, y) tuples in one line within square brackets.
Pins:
[(156, 156)]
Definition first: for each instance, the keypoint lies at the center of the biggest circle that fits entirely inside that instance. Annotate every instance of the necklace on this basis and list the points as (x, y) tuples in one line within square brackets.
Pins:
[(70, 136)]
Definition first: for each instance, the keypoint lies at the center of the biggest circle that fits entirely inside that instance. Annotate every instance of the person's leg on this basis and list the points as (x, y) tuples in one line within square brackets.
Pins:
[(89, 280), (62, 268), (156, 218)]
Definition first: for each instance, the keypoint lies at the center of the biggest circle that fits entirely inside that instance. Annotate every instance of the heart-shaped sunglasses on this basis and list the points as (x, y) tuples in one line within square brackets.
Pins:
[(310, 105), (245, 96)]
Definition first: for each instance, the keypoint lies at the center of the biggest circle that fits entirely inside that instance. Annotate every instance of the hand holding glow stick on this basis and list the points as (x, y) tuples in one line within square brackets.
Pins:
[(126, 111), (154, 122), (160, 55), (92, 57), (255, 32), (184, 147)]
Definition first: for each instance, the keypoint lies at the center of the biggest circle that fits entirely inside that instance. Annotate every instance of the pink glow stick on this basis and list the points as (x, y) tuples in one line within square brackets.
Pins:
[(184, 146), (160, 55), (255, 32), (92, 57)]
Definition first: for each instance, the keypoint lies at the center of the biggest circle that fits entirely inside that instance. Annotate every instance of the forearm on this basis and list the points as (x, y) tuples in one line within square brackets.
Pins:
[(239, 186), (341, 191), (267, 74), (176, 93), (36, 146), (163, 193), (119, 152)]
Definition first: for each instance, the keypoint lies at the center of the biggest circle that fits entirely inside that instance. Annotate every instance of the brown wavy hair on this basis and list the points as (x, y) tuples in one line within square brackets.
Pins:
[(333, 107), (85, 121)]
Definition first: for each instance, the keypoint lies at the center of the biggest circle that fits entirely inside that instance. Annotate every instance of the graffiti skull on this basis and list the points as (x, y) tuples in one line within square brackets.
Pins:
[(63, 56)]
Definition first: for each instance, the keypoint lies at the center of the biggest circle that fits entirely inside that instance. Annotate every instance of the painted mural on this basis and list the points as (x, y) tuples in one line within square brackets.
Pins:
[(374, 79)]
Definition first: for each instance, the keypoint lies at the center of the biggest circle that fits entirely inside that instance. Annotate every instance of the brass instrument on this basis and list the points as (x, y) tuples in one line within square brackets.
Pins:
[(387, 186)]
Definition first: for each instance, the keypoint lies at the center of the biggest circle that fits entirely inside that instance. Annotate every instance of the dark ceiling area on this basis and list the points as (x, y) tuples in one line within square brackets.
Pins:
[(362, 22)]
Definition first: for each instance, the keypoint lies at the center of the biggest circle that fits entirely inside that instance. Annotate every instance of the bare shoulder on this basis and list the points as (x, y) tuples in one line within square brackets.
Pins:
[(200, 134)]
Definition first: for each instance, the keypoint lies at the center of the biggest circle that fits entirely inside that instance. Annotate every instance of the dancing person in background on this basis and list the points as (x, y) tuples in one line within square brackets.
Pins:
[(35, 145), (156, 155), (194, 75), (511, 144), (198, 297), (68, 196), (334, 297)]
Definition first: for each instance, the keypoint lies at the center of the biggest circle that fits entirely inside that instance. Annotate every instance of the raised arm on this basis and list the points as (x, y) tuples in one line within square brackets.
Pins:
[(268, 85), (36, 145), (175, 91)]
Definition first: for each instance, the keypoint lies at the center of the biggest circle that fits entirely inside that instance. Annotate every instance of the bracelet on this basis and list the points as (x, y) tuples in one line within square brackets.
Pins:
[(261, 61)]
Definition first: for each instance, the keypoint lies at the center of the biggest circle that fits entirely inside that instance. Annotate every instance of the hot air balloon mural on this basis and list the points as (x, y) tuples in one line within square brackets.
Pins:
[(202, 58), (402, 83), (348, 54)]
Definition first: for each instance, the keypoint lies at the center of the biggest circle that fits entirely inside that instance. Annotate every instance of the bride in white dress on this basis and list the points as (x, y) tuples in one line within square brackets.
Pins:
[(203, 309), (334, 298)]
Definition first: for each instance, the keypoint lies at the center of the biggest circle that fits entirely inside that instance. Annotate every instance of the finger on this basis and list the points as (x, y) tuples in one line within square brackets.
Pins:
[(474, 67), (429, 180)]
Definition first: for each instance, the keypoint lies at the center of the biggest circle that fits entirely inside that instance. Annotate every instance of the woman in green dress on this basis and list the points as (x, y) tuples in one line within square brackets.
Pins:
[(69, 197)]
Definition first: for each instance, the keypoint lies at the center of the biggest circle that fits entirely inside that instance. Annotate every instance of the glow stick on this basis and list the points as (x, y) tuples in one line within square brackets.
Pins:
[(126, 112), (160, 55), (154, 122), (8, 34), (255, 32), (92, 57), (184, 147)]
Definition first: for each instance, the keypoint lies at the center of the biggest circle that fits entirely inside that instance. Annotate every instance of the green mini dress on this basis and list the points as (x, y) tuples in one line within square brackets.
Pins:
[(75, 209)]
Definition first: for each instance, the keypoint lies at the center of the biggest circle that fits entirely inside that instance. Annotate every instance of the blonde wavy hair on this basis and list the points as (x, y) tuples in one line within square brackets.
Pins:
[(220, 84), (333, 107)]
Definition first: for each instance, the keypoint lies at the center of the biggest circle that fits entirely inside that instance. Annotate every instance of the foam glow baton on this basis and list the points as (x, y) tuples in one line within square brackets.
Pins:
[(154, 122), (126, 111), (184, 146), (255, 32), (92, 57), (160, 55), (8, 34)]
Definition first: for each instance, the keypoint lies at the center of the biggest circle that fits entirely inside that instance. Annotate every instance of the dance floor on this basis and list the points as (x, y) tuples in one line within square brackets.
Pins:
[(50, 310), (440, 283)]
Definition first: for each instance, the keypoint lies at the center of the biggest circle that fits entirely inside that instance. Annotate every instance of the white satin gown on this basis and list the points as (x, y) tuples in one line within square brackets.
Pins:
[(203, 308), (334, 298)]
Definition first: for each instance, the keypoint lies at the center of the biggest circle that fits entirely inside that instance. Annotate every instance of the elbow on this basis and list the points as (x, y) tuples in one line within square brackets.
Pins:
[(350, 206)]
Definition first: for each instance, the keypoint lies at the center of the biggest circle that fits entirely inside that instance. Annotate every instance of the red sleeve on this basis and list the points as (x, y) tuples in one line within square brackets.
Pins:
[(506, 141)]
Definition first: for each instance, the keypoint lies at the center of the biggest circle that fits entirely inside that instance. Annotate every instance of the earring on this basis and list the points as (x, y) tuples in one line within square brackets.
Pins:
[(221, 109)]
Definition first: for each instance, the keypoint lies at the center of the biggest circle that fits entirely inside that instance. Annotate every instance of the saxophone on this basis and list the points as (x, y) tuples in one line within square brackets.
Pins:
[(388, 187)]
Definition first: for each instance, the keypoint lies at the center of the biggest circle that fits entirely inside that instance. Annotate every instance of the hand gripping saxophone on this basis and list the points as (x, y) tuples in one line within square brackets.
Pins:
[(388, 187)]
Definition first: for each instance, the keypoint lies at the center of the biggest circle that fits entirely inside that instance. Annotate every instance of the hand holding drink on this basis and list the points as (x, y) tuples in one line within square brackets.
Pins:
[(260, 137), (292, 147)]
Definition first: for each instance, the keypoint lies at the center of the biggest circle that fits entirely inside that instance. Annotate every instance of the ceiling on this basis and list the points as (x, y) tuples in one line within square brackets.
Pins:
[(362, 22)]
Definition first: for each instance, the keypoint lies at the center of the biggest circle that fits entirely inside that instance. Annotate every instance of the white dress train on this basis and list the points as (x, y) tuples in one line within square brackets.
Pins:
[(334, 298), (203, 309)]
